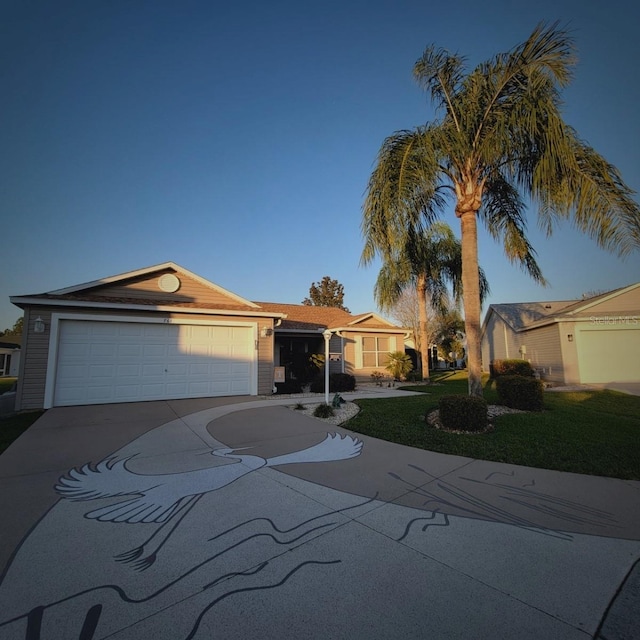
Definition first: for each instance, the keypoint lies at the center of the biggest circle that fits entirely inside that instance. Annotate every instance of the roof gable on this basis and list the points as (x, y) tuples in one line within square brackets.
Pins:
[(147, 282), (165, 285), (519, 315), (627, 297), (371, 320)]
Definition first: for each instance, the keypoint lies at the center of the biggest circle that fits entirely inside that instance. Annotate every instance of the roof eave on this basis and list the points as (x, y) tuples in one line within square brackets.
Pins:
[(19, 301)]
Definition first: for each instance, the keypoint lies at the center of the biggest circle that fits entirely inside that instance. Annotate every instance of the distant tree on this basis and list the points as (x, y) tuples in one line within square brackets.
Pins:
[(450, 336), (406, 312), (326, 293), (16, 330)]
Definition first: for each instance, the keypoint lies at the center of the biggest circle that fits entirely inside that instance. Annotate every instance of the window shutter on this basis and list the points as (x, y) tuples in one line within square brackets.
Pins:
[(358, 345)]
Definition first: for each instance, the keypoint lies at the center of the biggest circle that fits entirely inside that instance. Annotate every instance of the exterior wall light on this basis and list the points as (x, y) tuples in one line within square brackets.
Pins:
[(38, 325), (266, 332), (570, 337)]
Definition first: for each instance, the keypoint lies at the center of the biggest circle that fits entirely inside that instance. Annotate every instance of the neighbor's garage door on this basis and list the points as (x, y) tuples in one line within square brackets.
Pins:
[(609, 355), (101, 362)]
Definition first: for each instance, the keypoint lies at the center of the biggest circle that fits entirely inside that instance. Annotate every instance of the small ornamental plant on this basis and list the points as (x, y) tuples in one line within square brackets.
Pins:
[(399, 365), (323, 411)]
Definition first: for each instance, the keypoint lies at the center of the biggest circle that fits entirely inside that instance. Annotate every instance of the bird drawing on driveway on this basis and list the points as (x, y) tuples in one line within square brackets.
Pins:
[(167, 498)]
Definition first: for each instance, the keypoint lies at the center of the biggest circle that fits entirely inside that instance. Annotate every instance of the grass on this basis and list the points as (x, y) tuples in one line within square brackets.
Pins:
[(6, 384), (590, 432), (14, 426)]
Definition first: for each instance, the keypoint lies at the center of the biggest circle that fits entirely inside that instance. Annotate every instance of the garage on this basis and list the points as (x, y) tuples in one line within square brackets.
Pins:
[(608, 354), (101, 361)]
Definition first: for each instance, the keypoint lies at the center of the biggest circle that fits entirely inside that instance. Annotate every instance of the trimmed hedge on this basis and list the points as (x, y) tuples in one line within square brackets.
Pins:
[(337, 382), (511, 367), (520, 392), (463, 413)]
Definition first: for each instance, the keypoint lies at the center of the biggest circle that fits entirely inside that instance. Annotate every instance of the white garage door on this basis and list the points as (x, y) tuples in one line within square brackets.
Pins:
[(102, 362), (609, 355)]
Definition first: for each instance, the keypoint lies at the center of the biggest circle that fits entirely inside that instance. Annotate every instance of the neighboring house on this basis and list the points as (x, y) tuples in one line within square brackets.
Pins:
[(595, 340), (163, 332), (9, 355)]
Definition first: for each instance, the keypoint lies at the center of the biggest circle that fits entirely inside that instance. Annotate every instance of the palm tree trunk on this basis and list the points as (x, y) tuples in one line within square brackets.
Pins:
[(471, 299), (421, 290)]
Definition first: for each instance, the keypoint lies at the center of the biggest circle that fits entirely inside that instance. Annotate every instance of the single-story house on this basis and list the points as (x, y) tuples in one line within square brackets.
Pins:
[(9, 355), (593, 340), (163, 332)]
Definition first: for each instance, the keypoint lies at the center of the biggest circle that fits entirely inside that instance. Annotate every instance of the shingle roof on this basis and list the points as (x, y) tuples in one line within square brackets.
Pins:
[(519, 315), (302, 317)]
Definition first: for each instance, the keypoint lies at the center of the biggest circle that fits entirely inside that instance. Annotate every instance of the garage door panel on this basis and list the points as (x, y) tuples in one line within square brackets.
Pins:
[(102, 362), (101, 371), (78, 350), (605, 355)]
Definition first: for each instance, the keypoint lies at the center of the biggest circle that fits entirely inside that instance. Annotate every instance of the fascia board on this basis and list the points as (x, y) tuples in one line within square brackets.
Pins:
[(26, 300)]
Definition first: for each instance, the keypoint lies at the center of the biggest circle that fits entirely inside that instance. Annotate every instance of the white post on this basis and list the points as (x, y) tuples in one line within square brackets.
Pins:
[(327, 336)]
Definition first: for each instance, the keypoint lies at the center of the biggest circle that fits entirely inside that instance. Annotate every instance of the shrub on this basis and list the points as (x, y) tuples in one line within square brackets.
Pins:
[(399, 365), (414, 376), (511, 368), (337, 382), (323, 411), (463, 413), (377, 377), (341, 382), (520, 392), (291, 386)]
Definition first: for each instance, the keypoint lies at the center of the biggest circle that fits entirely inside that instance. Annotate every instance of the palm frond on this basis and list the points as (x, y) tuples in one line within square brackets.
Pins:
[(404, 192), (503, 213), (441, 73)]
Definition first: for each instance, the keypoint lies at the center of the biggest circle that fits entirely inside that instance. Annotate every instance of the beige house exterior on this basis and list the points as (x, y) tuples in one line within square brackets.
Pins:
[(595, 340), (163, 332)]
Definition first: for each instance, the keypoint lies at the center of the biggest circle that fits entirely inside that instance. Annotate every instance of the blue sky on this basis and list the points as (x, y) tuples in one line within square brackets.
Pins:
[(236, 139)]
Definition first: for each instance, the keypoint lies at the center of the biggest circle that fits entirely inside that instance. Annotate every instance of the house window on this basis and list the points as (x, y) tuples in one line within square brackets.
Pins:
[(375, 352)]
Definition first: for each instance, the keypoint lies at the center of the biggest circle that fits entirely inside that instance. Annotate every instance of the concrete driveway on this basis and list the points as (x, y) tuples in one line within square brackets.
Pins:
[(243, 519)]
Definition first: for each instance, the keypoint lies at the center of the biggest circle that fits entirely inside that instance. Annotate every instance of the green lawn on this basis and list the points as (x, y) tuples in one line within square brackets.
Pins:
[(6, 384), (592, 432), (14, 426)]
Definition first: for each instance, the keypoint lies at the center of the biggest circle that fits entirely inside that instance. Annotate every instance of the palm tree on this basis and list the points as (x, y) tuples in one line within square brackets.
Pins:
[(501, 138), (429, 261)]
